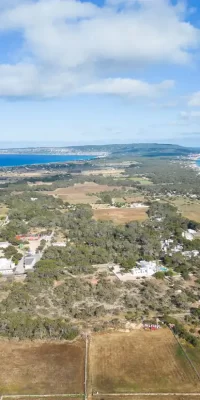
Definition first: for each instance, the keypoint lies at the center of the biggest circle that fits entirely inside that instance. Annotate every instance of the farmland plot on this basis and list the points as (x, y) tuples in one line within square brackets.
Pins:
[(42, 367), (139, 362), (120, 215)]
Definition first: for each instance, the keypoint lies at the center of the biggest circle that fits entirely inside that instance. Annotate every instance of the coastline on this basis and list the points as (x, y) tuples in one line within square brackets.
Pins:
[(29, 160)]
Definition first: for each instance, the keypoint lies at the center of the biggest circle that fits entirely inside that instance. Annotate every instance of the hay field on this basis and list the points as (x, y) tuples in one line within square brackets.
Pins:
[(79, 193), (189, 208), (145, 397), (62, 397), (115, 172), (120, 215), (139, 361), (41, 368)]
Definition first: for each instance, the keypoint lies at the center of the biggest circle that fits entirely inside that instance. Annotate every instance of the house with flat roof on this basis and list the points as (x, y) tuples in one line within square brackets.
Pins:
[(7, 267), (143, 269), (30, 261), (4, 245)]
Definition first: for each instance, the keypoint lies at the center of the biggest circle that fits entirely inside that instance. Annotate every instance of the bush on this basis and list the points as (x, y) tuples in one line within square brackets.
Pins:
[(159, 275)]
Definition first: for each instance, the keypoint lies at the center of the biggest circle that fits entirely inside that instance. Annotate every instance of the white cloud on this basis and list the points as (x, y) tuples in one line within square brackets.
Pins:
[(127, 87), (194, 100), (27, 80), (72, 43)]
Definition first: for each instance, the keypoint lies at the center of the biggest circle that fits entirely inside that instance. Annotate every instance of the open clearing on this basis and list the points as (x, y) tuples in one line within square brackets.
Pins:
[(3, 211), (115, 172), (120, 215), (189, 208), (79, 193), (42, 368), (139, 362)]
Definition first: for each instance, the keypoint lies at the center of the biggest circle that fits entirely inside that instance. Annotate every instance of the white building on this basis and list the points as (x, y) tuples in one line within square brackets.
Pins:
[(4, 245), (177, 249), (192, 253), (138, 205), (30, 261), (143, 269), (59, 244), (189, 234), (6, 266), (165, 244)]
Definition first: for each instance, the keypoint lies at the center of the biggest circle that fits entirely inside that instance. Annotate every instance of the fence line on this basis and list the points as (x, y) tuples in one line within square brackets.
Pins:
[(86, 367), (186, 355), (24, 396)]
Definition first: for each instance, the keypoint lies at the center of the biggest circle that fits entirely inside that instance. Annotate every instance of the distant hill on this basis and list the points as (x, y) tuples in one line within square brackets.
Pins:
[(135, 149)]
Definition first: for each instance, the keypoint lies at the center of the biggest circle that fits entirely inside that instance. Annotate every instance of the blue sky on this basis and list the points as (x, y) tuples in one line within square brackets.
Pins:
[(113, 71)]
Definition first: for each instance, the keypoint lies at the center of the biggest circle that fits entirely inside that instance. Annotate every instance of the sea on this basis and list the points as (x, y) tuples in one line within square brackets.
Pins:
[(15, 160)]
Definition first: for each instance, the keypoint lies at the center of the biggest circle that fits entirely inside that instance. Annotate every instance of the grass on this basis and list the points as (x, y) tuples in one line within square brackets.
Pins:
[(81, 193), (120, 215), (41, 368), (3, 211), (194, 355), (139, 361), (160, 397), (50, 397), (143, 181), (189, 208)]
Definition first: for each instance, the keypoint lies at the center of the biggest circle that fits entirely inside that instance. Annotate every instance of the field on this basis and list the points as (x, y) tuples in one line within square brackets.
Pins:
[(79, 193), (3, 211), (59, 397), (139, 362), (142, 180), (41, 368), (146, 397), (115, 172), (120, 215), (188, 208)]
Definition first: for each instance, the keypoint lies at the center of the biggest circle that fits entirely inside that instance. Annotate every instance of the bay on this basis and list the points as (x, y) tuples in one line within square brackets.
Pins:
[(15, 160)]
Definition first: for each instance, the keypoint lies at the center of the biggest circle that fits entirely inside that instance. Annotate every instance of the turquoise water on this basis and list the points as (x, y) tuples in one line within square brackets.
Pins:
[(14, 160), (198, 162), (163, 269)]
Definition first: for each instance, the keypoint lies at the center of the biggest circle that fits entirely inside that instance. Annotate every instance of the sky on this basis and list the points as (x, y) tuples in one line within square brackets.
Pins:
[(99, 71)]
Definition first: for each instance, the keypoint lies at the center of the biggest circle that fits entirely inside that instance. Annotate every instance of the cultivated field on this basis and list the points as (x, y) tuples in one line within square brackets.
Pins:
[(139, 361), (120, 215), (41, 368), (79, 193)]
